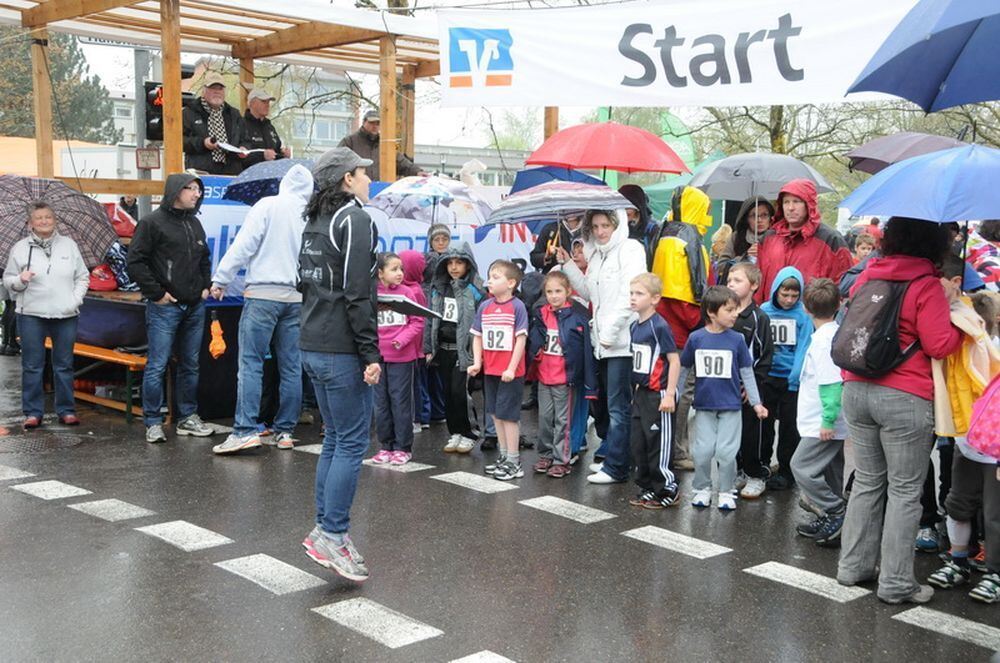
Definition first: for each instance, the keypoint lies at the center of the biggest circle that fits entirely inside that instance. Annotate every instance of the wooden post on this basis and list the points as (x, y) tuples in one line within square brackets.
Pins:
[(41, 86), (551, 121), (246, 81), (170, 45), (387, 109), (409, 104)]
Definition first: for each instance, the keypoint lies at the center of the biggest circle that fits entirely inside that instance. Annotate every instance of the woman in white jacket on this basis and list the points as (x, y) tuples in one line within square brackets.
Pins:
[(47, 278), (613, 260)]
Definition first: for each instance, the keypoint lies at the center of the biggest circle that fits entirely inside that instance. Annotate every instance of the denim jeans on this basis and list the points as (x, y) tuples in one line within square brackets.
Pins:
[(892, 435), (33, 331), (346, 404), (167, 326), (616, 383), (261, 320)]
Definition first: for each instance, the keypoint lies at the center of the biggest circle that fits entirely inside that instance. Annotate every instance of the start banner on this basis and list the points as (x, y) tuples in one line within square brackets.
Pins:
[(665, 53)]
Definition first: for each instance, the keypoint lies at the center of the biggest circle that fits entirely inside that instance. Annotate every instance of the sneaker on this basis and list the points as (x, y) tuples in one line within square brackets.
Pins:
[(574, 458), (235, 443), (154, 434), (978, 561), (663, 501), (492, 467), (753, 489), (950, 575), (69, 420), (310, 541), (417, 429), (727, 502), (465, 445), (988, 589), (307, 418), (355, 555), (400, 458), (509, 470), (641, 498), (338, 558), (923, 594), (543, 465), (382, 457), (927, 540), (780, 482), (425, 426), (524, 443), (811, 528), (33, 422), (489, 443), (558, 471), (741, 480), (701, 498), (828, 535), (285, 441), (193, 425), (452, 444), (596, 467), (602, 478)]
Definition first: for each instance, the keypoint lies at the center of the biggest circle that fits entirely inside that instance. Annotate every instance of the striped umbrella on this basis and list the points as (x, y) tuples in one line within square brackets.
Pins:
[(554, 198), (77, 216)]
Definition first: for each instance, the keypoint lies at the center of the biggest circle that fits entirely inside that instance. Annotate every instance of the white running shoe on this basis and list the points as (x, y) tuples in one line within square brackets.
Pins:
[(596, 467), (701, 498), (755, 488), (727, 502), (464, 446), (452, 444)]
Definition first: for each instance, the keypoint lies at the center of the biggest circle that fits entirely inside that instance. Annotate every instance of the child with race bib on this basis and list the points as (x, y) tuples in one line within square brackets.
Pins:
[(399, 340), (720, 360)]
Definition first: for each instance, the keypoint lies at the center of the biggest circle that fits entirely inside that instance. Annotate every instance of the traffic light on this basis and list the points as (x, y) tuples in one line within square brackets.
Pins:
[(154, 107)]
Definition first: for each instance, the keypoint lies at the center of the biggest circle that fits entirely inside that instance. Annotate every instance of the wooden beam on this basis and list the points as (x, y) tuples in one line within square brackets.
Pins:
[(108, 186), (247, 79), (41, 88), (61, 10), (170, 46), (388, 142), (551, 120), (302, 37), (429, 68), (408, 103)]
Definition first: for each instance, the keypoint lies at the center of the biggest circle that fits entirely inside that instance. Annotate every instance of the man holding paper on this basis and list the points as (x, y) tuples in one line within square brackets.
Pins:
[(211, 129), (260, 137)]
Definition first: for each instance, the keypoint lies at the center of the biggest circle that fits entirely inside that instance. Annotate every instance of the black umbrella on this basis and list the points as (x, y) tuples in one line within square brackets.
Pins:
[(882, 152)]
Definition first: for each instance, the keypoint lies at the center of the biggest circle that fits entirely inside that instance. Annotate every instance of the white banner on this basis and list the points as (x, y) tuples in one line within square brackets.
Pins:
[(667, 53)]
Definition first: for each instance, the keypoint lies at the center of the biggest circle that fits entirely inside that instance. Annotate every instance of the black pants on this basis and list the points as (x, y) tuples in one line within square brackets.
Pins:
[(456, 393), (782, 406), (751, 446), (652, 442), (9, 325), (929, 512), (394, 406)]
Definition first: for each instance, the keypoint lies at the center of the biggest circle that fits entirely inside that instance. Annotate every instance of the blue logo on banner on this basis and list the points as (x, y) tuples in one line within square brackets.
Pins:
[(480, 57)]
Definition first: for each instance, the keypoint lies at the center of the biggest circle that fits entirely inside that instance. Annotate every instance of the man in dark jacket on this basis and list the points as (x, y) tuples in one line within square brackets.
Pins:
[(208, 122), (260, 133), (169, 259), (364, 143), (553, 235), (641, 226)]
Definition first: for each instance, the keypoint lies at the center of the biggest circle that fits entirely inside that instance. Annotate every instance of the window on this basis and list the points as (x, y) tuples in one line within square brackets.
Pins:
[(320, 130), (123, 112)]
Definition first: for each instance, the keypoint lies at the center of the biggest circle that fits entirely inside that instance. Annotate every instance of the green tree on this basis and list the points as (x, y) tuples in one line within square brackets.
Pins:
[(81, 107)]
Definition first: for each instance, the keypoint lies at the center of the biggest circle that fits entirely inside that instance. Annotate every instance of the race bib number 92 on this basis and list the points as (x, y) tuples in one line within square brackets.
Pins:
[(497, 338), (713, 363), (552, 346)]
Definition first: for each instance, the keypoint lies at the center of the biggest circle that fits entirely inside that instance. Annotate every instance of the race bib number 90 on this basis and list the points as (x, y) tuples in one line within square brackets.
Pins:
[(497, 338), (450, 313), (713, 363), (390, 318), (783, 332), (552, 346), (642, 359)]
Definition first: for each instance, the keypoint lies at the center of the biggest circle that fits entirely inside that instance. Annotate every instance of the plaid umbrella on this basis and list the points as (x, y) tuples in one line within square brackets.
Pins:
[(77, 216), (261, 180), (546, 200)]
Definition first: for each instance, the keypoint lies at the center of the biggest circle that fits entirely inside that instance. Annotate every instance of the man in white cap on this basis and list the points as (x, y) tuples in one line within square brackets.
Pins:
[(260, 133), (208, 122), (364, 143)]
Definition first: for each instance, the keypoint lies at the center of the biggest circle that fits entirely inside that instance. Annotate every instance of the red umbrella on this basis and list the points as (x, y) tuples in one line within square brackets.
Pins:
[(608, 145)]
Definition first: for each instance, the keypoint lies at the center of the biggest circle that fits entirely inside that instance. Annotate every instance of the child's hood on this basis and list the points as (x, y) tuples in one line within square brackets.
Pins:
[(413, 266), (783, 274), (463, 251)]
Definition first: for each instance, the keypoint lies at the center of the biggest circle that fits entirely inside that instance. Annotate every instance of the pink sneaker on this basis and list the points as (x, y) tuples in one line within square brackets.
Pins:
[(400, 457), (382, 457)]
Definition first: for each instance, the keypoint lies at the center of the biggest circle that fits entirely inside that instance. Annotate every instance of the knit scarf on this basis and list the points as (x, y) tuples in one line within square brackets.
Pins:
[(217, 130), (44, 244)]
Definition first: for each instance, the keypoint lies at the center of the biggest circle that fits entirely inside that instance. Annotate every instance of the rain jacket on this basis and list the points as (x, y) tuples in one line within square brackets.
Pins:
[(365, 145), (610, 269), (199, 157), (560, 235), (924, 316), (431, 258), (645, 230), (573, 322), (169, 252), (786, 362), (468, 293), (270, 239), (739, 242), (413, 274), (409, 336), (60, 281), (817, 250)]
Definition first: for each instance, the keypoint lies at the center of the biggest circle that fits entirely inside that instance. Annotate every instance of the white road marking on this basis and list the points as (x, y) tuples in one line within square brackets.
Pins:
[(477, 482), (950, 625), (808, 581), (407, 467), (272, 574), (11, 473), (375, 621), (485, 656), (686, 545), (185, 536), (112, 510), (314, 449), (50, 490), (566, 509)]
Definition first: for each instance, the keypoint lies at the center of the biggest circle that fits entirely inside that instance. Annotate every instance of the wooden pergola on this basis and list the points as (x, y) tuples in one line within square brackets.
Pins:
[(397, 48)]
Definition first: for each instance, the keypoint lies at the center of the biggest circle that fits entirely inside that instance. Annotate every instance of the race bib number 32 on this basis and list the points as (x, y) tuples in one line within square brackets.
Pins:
[(713, 363), (552, 346), (497, 338), (783, 332), (450, 313)]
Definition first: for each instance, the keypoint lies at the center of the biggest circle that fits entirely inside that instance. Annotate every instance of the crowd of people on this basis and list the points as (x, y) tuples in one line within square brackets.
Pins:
[(626, 327)]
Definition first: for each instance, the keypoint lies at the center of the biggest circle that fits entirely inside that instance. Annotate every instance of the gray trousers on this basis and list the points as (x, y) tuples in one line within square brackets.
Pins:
[(818, 468), (891, 433), (555, 408), (682, 439), (716, 437)]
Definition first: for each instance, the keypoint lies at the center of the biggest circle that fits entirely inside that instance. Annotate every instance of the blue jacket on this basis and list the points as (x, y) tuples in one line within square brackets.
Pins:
[(574, 337), (787, 360)]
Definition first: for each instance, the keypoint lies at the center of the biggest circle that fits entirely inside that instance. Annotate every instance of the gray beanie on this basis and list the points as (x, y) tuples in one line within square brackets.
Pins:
[(437, 229)]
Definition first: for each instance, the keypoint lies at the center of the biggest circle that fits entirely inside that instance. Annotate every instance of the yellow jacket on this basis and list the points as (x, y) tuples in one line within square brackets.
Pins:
[(681, 260)]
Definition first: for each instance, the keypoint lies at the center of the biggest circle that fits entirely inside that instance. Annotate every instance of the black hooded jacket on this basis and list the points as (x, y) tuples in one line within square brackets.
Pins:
[(736, 248), (169, 252), (645, 230)]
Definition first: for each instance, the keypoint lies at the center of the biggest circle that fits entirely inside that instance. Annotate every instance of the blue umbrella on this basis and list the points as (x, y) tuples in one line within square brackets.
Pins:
[(261, 180), (529, 177), (942, 54), (959, 184)]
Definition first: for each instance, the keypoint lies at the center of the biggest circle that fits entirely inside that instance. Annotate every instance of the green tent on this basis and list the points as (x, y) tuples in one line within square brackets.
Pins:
[(661, 193)]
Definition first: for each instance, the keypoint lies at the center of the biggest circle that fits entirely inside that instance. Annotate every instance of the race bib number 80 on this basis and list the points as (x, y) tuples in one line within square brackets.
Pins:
[(713, 363), (783, 332), (497, 338), (450, 313)]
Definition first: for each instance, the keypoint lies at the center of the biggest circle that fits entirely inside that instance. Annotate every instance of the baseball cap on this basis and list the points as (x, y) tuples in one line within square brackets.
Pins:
[(334, 164), (260, 93), (212, 78), (371, 116)]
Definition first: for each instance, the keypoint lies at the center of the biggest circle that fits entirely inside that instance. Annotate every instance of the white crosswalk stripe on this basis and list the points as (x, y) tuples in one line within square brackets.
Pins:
[(185, 536), (686, 545), (314, 449), (807, 581), (566, 509), (377, 622), (11, 473), (50, 490), (952, 626), (477, 482), (112, 510), (272, 574), (406, 467), (485, 656)]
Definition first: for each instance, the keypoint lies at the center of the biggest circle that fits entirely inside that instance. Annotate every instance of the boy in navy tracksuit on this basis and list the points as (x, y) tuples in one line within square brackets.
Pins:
[(565, 369), (791, 329)]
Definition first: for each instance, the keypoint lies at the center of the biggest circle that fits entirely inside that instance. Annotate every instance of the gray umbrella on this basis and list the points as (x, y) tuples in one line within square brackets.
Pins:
[(754, 174), (882, 152)]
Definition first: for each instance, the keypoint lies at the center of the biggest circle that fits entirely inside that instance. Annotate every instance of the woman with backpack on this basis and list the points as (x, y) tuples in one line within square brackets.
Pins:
[(889, 410)]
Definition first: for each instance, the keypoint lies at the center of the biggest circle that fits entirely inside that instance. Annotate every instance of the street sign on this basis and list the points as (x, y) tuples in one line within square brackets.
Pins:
[(147, 158), (100, 41)]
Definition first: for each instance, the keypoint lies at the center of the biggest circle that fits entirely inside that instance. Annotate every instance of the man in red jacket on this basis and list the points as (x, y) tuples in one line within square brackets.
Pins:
[(799, 239)]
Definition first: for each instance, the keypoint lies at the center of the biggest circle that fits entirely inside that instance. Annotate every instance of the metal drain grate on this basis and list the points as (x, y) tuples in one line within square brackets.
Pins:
[(38, 442)]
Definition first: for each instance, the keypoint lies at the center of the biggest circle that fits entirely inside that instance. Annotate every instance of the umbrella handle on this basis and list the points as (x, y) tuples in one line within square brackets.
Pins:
[(31, 248)]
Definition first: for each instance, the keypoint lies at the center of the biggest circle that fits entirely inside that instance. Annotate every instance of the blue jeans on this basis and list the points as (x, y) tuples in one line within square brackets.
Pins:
[(261, 320), (346, 404), (165, 325), (616, 380), (33, 331)]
